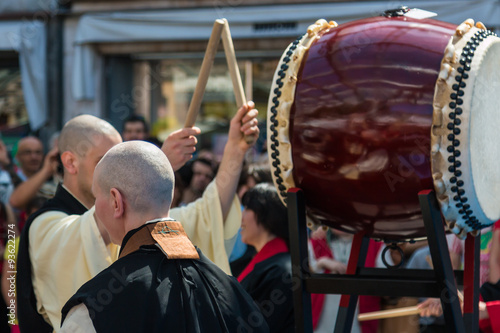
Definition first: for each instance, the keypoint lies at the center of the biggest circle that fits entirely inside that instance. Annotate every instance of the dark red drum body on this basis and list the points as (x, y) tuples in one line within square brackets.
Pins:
[(359, 123)]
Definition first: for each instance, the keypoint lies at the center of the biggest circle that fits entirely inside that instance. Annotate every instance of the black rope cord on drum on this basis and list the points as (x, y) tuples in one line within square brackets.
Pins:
[(454, 126), (274, 140)]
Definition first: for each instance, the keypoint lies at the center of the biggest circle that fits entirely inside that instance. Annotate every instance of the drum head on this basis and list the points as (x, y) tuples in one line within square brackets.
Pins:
[(484, 128), (465, 125)]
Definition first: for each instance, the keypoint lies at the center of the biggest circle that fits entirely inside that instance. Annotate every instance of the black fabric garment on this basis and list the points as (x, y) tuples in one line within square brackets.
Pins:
[(270, 285), (145, 291), (29, 318), (490, 292), (238, 265)]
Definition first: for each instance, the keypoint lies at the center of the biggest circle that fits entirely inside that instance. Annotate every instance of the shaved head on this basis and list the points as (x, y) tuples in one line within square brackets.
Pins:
[(142, 174), (30, 155), (83, 133), (29, 141)]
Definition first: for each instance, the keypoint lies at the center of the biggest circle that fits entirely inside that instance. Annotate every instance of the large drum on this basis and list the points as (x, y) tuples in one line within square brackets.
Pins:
[(365, 115)]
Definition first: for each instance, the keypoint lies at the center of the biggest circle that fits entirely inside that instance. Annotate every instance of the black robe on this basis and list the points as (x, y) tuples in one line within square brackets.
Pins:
[(144, 291), (29, 318), (270, 285), (490, 292)]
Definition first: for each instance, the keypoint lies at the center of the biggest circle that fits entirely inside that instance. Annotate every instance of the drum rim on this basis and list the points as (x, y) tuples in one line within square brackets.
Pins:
[(279, 105), (458, 201)]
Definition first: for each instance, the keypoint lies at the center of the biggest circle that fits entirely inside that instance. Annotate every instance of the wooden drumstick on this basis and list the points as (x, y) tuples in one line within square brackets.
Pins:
[(232, 64), (400, 312), (206, 66), (227, 42), (392, 313)]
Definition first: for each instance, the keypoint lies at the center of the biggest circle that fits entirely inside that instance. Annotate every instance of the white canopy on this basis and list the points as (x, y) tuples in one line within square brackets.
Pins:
[(40, 7), (9, 35), (196, 24), (29, 39)]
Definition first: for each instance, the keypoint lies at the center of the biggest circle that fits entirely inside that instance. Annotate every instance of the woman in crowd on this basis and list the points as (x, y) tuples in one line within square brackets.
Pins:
[(267, 278)]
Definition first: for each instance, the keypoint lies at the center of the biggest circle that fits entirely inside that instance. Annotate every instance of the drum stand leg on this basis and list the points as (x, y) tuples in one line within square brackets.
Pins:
[(471, 283), (348, 303), (300, 260), (440, 254)]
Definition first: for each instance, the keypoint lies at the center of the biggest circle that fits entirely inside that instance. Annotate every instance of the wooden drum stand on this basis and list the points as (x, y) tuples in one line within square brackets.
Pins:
[(358, 280)]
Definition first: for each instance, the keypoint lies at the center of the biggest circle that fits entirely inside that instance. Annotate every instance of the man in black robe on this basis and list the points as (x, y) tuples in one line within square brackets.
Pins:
[(161, 282), (56, 258)]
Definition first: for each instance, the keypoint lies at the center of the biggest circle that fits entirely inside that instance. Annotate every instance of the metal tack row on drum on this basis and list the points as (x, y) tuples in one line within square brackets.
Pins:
[(362, 116)]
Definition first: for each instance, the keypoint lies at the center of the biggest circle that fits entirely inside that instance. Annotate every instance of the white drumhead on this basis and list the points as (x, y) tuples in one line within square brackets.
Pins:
[(484, 127), (465, 124)]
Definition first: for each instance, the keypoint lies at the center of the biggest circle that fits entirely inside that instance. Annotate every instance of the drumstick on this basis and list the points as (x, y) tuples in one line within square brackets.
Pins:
[(206, 66), (232, 64), (227, 41), (392, 313)]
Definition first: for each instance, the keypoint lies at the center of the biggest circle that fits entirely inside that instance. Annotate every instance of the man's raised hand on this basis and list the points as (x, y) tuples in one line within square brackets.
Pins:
[(180, 146)]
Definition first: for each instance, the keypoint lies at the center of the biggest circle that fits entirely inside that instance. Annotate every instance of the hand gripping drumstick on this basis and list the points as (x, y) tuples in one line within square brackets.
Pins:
[(239, 92), (206, 66), (401, 312)]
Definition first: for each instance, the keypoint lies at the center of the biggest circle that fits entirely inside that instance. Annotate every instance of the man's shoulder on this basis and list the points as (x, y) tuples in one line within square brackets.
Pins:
[(46, 220), (149, 268), (64, 201), (133, 266), (56, 228), (149, 261), (54, 212)]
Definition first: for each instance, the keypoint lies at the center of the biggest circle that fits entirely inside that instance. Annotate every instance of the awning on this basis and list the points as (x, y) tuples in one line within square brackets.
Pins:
[(29, 39), (246, 22), (9, 35), (36, 7)]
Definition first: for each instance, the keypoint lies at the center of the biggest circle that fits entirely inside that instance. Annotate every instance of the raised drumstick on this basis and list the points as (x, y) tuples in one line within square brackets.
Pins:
[(227, 41), (206, 66), (239, 92)]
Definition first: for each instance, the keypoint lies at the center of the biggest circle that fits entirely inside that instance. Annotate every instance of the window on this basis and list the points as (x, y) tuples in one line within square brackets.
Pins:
[(170, 84), (12, 108)]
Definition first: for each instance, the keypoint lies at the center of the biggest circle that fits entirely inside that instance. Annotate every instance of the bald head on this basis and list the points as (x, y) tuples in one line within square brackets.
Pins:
[(83, 133), (29, 141), (142, 174), (30, 155)]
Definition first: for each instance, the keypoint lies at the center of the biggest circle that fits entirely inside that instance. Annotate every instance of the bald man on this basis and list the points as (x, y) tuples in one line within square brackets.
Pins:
[(59, 253), (37, 174), (133, 186), (30, 156)]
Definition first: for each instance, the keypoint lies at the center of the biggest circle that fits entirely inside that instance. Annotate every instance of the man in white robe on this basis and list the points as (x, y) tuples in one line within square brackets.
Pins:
[(67, 251)]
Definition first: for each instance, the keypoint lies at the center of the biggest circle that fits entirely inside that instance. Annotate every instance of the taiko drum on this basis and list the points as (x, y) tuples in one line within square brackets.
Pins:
[(363, 116)]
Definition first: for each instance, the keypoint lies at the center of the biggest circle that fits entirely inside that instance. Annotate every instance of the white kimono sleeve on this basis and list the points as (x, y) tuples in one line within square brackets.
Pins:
[(78, 321), (203, 222)]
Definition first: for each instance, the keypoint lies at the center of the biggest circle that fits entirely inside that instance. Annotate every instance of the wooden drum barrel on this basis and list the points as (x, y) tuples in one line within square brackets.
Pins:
[(363, 116)]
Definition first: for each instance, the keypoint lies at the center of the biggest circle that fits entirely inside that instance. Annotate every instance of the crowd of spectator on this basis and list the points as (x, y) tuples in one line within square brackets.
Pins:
[(259, 252)]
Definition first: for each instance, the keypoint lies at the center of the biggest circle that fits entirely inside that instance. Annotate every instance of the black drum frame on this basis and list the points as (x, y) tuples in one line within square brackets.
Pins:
[(358, 280)]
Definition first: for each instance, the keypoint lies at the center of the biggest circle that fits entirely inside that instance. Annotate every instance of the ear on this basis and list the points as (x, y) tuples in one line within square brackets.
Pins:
[(117, 202), (70, 162)]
